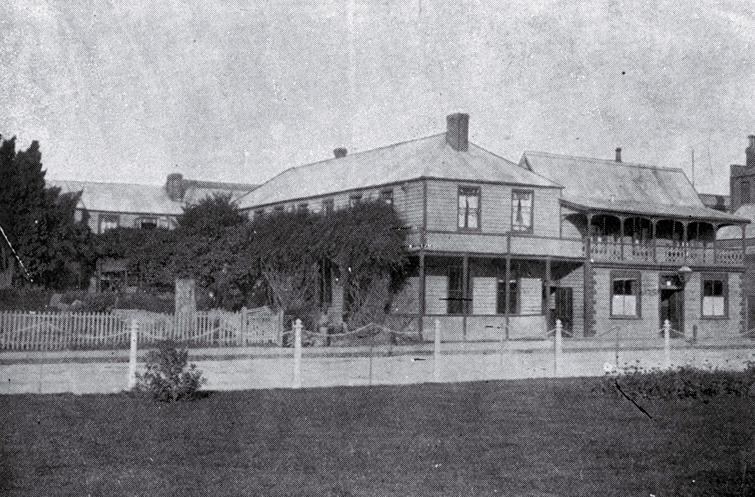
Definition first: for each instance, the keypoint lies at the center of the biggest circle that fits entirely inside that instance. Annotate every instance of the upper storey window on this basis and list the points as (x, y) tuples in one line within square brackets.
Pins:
[(108, 222), (521, 211), (469, 207)]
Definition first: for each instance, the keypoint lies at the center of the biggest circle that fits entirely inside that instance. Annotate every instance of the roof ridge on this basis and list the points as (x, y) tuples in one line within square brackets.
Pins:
[(324, 161), (607, 161), (101, 182)]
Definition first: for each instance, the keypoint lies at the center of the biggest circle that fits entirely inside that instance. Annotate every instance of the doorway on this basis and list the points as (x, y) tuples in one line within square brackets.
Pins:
[(562, 309), (672, 305), (750, 331)]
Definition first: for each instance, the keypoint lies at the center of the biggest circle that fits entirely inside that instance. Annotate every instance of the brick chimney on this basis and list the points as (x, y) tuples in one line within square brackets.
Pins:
[(618, 154), (750, 152), (457, 131), (174, 186), (340, 152)]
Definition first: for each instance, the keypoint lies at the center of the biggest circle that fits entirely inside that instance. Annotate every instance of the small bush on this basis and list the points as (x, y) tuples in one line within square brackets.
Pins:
[(167, 377), (684, 382)]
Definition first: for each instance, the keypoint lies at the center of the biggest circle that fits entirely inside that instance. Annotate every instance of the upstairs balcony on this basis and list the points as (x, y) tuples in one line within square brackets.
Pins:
[(658, 241)]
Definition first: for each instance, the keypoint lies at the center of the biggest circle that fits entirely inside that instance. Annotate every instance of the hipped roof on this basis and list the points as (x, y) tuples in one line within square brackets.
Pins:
[(605, 185), (144, 199), (429, 157)]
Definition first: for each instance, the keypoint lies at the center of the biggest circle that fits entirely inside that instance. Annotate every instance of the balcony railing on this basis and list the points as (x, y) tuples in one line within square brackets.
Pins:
[(687, 253)]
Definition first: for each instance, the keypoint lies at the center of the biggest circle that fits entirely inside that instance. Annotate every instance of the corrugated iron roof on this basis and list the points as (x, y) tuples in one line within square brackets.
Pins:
[(121, 197), (429, 157), (623, 187), (144, 199)]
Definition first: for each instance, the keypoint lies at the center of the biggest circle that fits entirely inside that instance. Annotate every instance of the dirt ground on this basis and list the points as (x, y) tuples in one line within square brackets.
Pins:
[(278, 372)]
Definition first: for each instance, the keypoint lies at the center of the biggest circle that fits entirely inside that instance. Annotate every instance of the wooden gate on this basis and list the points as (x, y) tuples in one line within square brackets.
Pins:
[(261, 325)]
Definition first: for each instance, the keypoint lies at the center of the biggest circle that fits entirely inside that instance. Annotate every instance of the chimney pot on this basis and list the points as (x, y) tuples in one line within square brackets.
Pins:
[(618, 154), (457, 131), (340, 152), (750, 153), (174, 186)]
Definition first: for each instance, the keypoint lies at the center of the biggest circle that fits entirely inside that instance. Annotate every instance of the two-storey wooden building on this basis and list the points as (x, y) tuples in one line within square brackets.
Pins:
[(505, 249)]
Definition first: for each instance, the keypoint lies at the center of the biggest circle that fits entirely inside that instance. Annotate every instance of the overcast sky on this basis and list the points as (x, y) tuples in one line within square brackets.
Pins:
[(239, 91)]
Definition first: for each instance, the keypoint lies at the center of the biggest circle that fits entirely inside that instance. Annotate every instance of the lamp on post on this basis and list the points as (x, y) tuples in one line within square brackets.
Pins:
[(684, 274)]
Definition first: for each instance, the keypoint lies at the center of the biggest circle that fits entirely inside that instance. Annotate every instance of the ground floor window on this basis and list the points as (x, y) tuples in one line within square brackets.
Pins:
[(455, 290), (509, 307), (625, 294), (714, 296)]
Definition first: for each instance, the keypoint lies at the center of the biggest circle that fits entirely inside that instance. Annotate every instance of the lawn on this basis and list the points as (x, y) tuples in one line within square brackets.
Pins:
[(529, 437)]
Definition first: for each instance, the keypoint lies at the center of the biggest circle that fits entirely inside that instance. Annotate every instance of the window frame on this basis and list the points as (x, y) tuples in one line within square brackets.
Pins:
[(149, 220), (711, 277), (530, 226), (465, 191), (513, 296), (455, 297), (355, 199), (386, 196), (624, 275), (102, 218), (328, 206), (302, 207)]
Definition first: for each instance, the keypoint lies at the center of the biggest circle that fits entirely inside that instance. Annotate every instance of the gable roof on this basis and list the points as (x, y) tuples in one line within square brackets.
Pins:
[(623, 187), (429, 157), (144, 199)]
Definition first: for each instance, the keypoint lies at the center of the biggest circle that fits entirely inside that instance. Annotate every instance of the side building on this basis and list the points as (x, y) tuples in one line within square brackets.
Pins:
[(110, 205), (504, 249)]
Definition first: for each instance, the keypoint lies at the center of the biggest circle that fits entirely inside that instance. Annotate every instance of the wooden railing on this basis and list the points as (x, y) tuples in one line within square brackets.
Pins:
[(666, 253)]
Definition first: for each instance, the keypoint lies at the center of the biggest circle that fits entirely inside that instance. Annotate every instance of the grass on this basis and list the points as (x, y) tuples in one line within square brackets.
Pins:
[(529, 437)]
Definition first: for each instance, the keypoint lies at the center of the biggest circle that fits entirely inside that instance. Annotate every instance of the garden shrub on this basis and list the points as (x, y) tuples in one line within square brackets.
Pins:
[(684, 382), (168, 378)]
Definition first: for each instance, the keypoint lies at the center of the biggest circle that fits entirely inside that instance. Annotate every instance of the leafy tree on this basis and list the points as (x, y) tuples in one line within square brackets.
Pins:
[(213, 248), (39, 222), (365, 244)]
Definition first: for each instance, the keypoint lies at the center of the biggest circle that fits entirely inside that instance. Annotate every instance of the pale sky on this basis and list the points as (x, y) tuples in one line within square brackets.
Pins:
[(239, 91)]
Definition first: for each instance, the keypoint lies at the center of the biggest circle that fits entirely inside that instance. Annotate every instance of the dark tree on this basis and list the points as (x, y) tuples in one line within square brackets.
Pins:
[(39, 223)]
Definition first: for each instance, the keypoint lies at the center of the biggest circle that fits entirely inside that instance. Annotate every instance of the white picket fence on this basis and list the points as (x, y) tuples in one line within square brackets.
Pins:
[(83, 330)]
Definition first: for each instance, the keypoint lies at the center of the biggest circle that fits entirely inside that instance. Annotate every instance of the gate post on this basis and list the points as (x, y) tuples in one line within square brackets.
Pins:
[(297, 353)]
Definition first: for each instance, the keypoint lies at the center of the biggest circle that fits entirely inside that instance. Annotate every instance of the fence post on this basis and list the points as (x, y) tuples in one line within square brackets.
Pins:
[(297, 353), (558, 345), (667, 344), (132, 355), (436, 352)]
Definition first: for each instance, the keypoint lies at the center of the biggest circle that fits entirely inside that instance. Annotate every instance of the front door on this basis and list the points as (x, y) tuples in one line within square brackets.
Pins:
[(672, 308), (562, 308)]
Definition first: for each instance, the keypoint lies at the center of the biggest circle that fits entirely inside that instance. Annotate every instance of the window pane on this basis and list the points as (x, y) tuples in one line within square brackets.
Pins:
[(718, 288), (707, 306), (718, 306), (708, 288), (630, 305), (472, 220)]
